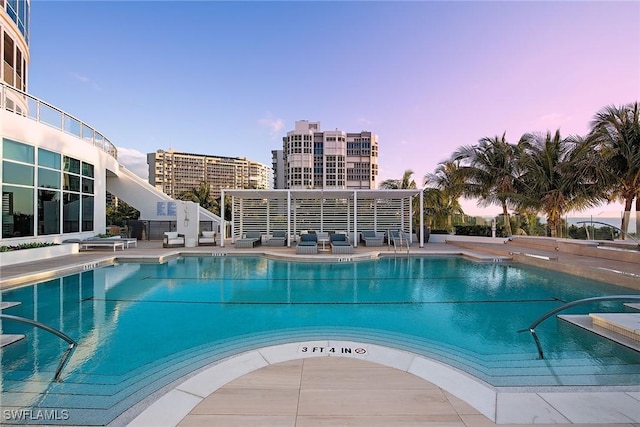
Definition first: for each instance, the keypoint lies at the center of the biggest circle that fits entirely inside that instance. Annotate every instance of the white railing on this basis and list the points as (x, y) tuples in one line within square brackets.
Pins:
[(19, 102)]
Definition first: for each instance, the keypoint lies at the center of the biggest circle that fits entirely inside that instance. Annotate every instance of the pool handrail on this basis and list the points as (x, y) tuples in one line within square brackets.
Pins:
[(59, 334), (532, 327)]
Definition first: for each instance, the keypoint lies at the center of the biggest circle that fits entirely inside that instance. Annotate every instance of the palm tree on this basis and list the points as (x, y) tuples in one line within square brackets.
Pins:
[(558, 176), (202, 196), (615, 131), (490, 170), (399, 184), (442, 197)]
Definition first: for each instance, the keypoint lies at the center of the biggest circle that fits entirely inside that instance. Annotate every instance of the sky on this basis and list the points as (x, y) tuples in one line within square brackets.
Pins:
[(231, 78)]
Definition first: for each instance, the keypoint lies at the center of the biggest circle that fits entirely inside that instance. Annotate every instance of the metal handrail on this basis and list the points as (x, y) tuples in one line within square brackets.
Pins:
[(68, 123), (609, 225), (59, 334), (532, 327)]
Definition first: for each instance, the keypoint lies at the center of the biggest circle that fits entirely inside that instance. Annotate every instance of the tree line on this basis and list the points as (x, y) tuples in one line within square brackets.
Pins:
[(542, 173)]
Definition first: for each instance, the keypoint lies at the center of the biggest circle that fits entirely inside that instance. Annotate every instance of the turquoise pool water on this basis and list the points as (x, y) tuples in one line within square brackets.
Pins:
[(142, 326)]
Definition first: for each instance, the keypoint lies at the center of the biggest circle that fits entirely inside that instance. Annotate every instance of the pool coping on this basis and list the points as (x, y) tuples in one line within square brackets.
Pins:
[(503, 405)]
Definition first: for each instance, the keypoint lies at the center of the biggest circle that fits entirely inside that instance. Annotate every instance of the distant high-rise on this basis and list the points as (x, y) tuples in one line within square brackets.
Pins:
[(331, 159), (174, 172)]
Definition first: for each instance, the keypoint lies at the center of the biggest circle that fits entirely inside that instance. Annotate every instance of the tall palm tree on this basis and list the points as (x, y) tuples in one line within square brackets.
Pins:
[(616, 132), (202, 196), (559, 176), (490, 172)]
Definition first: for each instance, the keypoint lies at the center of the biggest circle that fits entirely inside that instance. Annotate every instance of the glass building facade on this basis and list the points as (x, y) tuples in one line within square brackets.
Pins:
[(44, 192)]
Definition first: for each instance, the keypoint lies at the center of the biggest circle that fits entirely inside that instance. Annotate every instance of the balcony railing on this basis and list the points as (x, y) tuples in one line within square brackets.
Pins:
[(19, 102)]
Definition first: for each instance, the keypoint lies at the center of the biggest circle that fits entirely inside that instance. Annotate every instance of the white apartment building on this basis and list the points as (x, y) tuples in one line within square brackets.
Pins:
[(175, 172), (332, 159)]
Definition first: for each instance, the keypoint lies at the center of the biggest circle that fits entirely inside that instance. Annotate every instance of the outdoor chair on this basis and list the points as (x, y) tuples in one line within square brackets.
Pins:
[(207, 238), (340, 244), (251, 240), (371, 238), (308, 244), (278, 238), (172, 239)]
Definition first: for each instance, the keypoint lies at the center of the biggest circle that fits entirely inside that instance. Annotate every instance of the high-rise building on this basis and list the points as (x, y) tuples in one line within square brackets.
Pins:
[(175, 172), (330, 159)]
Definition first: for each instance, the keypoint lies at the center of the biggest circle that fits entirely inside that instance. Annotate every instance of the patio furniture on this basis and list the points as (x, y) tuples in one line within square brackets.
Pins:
[(98, 242), (128, 241), (172, 239), (251, 240), (371, 238), (308, 244), (207, 238), (340, 244), (278, 238), (323, 238)]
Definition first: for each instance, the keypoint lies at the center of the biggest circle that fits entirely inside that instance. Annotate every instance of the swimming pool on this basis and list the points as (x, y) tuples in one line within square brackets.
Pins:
[(142, 326)]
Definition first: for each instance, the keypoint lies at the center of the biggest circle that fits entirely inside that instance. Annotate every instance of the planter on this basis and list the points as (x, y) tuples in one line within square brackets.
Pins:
[(426, 230), (37, 254)]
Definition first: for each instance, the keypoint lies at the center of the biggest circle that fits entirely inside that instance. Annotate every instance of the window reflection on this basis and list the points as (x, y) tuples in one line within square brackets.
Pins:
[(48, 212), (17, 211), (71, 213)]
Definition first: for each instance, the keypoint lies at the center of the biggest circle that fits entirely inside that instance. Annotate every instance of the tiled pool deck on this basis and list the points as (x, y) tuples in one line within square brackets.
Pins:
[(381, 386)]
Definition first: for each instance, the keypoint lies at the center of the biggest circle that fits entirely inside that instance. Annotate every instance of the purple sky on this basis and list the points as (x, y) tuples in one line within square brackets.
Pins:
[(231, 78)]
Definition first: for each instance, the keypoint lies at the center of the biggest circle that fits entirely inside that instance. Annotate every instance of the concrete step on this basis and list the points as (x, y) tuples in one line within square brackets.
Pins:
[(613, 329)]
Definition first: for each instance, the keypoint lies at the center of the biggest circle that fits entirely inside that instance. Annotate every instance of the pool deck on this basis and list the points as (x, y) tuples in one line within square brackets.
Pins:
[(379, 386)]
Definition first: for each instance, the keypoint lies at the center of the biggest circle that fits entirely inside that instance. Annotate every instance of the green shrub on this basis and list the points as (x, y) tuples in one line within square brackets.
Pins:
[(26, 246)]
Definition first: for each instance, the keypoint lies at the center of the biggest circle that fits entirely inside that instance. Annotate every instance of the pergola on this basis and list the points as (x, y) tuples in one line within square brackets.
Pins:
[(296, 211)]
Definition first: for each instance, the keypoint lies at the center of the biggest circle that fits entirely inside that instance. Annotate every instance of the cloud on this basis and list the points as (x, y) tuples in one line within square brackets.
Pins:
[(84, 80), (364, 121), (135, 161), (552, 121), (274, 125)]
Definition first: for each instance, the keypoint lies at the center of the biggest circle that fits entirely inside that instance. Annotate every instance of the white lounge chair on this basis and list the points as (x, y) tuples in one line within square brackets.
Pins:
[(172, 239), (207, 238)]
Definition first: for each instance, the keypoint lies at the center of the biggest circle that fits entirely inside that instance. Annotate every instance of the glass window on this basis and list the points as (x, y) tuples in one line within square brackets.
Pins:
[(17, 151), (48, 158), (71, 213), (87, 213), (87, 185), (15, 173), (71, 165), (48, 212), (48, 178), (87, 169), (17, 211), (71, 182)]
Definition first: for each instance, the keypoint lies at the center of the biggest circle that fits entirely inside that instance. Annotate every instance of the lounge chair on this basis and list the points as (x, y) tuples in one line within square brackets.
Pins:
[(340, 244), (251, 240), (308, 244), (371, 238), (100, 242), (172, 239), (278, 238), (207, 238)]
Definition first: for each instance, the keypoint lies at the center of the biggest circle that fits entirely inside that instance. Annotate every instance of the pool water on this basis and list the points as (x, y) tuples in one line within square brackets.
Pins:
[(142, 326)]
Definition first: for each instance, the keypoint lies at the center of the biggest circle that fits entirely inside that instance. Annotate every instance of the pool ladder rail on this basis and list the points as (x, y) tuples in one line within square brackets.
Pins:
[(15, 338), (398, 240), (532, 327)]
